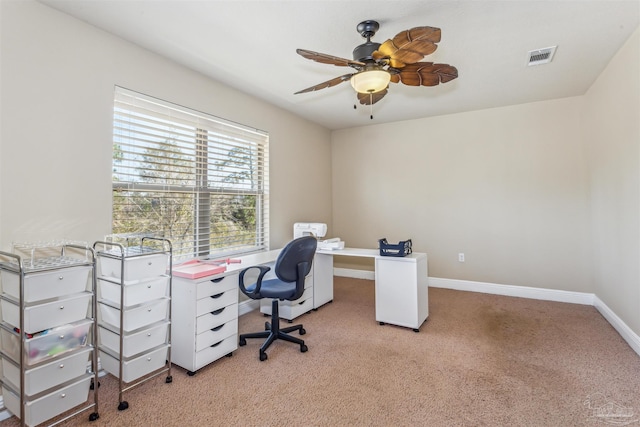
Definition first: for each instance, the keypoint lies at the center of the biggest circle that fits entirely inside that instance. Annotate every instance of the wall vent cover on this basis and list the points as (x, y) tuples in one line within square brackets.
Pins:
[(541, 56)]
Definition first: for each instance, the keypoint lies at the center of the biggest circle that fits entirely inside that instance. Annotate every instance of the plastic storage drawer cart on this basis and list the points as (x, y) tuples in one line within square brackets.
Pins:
[(49, 357), (134, 309)]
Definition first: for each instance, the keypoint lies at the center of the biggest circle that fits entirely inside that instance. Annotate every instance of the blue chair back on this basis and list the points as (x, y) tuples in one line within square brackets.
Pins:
[(297, 251)]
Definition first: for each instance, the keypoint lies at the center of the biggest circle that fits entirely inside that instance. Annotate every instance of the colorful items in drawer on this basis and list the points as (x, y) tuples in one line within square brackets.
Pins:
[(48, 343)]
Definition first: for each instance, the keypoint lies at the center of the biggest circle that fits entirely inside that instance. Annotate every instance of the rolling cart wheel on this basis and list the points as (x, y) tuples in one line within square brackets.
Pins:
[(191, 373), (230, 354), (123, 405), (290, 321), (169, 379), (94, 416), (92, 386), (302, 331), (303, 348), (242, 342), (263, 356), (382, 323), (416, 330)]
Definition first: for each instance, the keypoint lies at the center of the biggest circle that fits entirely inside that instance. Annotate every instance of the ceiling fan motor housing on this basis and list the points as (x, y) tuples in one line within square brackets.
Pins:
[(364, 52)]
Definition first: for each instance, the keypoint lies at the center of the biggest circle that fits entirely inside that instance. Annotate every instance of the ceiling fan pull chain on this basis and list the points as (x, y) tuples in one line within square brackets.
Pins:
[(371, 104)]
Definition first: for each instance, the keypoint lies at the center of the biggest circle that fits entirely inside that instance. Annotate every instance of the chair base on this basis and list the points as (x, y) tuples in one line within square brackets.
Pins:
[(273, 332)]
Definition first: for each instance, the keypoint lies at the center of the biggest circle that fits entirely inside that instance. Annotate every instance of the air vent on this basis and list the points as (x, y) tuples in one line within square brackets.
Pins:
[(541, 56)]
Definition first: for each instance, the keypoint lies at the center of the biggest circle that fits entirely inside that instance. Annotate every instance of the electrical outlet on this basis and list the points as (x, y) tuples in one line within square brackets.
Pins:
[(461, 257)]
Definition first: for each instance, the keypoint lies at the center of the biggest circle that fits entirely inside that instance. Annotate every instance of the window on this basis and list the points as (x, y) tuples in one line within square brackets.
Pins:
[(195, 179)]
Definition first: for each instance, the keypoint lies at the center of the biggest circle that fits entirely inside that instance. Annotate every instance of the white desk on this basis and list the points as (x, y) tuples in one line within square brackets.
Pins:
[(204, 323), (401, 293)]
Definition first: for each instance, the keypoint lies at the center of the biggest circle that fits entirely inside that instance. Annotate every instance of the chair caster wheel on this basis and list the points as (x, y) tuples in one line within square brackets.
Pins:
[(242, 342), (94, 416), (263, 356), (302, 331), (168, 380), (303, 348), (267, 326), (123, 405)]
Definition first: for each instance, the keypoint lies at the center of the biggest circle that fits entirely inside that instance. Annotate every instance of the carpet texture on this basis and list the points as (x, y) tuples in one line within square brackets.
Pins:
[(479, 360)]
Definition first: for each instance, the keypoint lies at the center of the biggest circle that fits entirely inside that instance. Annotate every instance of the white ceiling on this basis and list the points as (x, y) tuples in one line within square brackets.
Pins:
[(251, 46)]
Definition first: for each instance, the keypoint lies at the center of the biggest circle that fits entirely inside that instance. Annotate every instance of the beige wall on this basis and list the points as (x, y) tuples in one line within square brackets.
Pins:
[(612, 135), (507, 187), (58, 76)]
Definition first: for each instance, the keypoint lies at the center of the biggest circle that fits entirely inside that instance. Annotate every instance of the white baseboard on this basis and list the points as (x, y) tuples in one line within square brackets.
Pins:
[(522, 292), (625, 331), (513, 291), (248, 306)]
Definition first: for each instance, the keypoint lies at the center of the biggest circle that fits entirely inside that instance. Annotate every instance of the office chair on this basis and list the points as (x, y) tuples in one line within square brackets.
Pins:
[(291, 267)]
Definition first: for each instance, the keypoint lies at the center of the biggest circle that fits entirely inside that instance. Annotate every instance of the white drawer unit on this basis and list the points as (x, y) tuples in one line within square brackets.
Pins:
[(48, 375), (137, 367), (136, 264), (48, 315), (111, 291), (135, 318), (134, 343), (47, 338), (134, 310), (46, 285), (48, 406), (291, 309), (205, 320)]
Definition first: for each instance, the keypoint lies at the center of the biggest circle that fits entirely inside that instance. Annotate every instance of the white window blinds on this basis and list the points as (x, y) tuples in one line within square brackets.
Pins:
[(196, 179)]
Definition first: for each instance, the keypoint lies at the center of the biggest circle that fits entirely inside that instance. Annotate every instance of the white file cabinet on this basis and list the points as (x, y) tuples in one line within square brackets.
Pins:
[(47, 333), (134, 311), (205, 320), (402, 295)]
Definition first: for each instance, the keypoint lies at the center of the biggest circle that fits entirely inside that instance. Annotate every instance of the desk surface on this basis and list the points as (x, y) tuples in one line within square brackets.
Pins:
[(370, 253)]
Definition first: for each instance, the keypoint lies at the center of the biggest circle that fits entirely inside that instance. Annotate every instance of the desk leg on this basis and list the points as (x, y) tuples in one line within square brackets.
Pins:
[(322, 279)]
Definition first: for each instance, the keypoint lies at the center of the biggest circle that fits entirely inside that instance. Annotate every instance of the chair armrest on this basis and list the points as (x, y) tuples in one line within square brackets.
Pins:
[(255, 294)]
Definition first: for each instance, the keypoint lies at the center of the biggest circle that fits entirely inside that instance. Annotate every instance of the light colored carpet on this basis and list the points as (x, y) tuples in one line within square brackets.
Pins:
[(479, 360)]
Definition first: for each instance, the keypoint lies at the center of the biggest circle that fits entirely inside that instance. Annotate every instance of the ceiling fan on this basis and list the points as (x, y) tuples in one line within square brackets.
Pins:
[(395, 60)]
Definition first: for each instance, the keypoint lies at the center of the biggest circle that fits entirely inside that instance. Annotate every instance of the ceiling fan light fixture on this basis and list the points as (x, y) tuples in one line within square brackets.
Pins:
[(370, 81)]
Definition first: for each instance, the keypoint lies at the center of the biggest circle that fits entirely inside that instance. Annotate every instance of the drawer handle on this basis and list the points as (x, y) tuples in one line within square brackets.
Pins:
[(63, 395), (60, 277), (218, 280), (149, 263), (217, 328), (148, 359), (62, 307), (149, 334), (61, 366), (216, 344), (218, 311), (216, 296), (61, 337), (300, 303), (148, 286)]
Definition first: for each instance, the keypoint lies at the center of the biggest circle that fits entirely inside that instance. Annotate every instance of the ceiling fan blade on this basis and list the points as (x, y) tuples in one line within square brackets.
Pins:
[(427, 74), (329, 59), (371, 98), (409, 46), (328, 83)]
